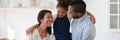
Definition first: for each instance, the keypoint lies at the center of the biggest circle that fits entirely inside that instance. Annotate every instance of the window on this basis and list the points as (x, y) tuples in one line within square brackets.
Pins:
[(114, 14)]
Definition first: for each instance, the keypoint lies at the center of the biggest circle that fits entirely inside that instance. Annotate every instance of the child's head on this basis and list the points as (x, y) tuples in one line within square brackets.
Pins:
[(62, 9)]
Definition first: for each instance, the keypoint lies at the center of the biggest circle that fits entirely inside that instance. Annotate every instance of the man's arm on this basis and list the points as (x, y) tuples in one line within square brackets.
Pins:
[(31, 29), (92, 18), (3, 38)]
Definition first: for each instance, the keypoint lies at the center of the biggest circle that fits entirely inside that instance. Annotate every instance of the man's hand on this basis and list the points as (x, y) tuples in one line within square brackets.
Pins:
[(92, 18), (4, 39), (31, 29)]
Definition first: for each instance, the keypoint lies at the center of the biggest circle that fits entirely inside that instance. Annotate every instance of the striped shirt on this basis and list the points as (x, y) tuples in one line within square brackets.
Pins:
[(83, 28)]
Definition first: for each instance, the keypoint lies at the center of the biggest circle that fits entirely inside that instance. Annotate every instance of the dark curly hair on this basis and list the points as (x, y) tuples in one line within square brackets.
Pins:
[(64, 1), (63, 4)]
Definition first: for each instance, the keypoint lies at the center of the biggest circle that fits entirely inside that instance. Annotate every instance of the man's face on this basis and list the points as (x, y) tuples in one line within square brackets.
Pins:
[(72, 12)]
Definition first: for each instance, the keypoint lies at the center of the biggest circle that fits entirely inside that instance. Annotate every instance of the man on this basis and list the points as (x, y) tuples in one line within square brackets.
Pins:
[(82, 28)]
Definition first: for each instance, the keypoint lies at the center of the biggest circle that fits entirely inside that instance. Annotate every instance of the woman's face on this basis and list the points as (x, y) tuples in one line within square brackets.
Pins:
[(61, 12), (48, 19)]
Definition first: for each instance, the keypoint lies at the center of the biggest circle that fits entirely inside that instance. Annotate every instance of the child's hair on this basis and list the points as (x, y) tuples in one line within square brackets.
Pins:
[(63, 3), (41, 16)]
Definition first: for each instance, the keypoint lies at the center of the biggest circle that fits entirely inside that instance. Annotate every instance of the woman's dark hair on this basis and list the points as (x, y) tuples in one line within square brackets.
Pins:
[(41, 16)]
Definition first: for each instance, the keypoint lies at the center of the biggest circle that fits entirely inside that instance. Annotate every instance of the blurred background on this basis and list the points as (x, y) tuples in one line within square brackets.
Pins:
[(17, 15)]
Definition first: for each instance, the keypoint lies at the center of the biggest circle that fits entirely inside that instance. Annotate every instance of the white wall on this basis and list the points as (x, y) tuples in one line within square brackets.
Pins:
[(18, 19), (3, 26), (100, 10)]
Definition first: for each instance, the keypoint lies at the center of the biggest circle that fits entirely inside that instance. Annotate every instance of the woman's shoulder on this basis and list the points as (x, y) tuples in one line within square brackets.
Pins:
[(34, 35), (52, 37), (35, 32)]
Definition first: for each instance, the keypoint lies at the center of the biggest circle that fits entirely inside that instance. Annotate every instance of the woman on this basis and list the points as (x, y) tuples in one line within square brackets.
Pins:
[(43, 30)]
